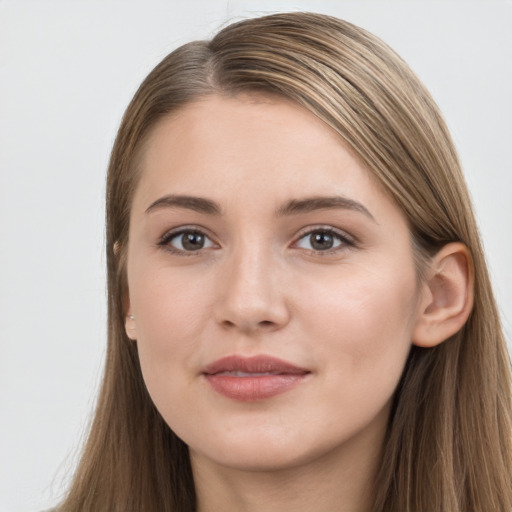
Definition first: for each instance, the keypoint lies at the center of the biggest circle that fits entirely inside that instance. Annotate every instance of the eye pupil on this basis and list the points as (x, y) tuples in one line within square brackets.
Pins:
[(192, 241), (321, 241)]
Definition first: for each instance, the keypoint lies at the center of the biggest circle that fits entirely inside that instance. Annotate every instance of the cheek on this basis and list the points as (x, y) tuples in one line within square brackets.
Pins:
[(360, 331), (168, 302), (171, 310), (363, 320)]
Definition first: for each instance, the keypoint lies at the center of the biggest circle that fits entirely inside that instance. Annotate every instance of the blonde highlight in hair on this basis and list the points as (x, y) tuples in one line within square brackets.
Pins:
[(448, 444)]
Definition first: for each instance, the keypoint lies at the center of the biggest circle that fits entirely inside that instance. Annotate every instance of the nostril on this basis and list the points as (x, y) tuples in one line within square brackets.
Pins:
[(263, 325)]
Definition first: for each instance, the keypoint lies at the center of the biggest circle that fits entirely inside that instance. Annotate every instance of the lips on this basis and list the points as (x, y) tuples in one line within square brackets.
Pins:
[(253, 378)]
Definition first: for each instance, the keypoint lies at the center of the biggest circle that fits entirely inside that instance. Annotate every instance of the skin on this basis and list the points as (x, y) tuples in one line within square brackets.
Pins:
[(258, 286)]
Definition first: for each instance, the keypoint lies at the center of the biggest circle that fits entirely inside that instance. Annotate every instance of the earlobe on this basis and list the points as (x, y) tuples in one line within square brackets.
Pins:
[(129, 322), (447, 296), (130, 327), (129, 319)]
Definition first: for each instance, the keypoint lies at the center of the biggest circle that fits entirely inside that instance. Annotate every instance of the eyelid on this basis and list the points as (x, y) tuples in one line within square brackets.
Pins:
[(347, 240), (164, 240)]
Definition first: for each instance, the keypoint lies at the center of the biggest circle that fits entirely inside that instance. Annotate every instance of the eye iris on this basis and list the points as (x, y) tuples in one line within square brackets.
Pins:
[(192, 241), (321, 241)]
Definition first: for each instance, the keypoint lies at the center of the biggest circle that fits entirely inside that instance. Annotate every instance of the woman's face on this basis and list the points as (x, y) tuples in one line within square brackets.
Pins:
[(272, 283)]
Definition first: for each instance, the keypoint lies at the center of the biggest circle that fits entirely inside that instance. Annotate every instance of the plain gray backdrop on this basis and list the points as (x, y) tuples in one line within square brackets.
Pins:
[(67, 71)]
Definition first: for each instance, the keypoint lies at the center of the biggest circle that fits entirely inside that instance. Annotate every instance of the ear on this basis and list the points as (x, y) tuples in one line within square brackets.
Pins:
[(129, 321), (447, 296)]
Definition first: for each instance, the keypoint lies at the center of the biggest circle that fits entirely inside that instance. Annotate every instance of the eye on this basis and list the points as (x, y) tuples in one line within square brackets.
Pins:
[(187, 240), (322, 240)]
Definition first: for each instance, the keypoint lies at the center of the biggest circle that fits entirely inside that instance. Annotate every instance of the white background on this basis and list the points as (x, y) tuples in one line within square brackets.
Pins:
[(67, 71)]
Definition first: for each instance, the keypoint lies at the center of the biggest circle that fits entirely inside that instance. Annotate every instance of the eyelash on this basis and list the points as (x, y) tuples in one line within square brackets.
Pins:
[(165, 241), (345, 241)]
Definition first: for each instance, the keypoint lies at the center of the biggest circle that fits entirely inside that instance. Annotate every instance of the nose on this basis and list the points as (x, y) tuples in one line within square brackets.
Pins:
[(252, 296)]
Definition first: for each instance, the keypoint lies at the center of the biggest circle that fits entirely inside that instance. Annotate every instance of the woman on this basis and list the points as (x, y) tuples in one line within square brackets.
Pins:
[(300, 315)]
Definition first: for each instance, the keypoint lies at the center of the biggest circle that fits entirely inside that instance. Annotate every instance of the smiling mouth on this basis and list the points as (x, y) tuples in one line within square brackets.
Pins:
[(254, 378)]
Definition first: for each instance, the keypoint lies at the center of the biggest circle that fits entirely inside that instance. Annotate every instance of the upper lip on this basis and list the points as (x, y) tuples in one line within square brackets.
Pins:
[(253, 364)]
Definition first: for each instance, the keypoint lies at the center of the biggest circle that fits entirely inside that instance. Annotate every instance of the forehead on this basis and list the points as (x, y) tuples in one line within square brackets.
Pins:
[(250, 147), (259, 134), (225, 125)]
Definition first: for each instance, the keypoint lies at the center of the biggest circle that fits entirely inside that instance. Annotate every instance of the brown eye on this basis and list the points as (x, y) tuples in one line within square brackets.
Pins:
[(322, 240), (190, 240)]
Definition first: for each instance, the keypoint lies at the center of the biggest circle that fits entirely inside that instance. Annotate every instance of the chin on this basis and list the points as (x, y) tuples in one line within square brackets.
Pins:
[(267, 450), (265, 447), (255, 459)]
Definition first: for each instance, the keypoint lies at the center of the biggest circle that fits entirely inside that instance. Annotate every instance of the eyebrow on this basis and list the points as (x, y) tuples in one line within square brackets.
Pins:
[(310, 204), (292, 207), (197, 204)]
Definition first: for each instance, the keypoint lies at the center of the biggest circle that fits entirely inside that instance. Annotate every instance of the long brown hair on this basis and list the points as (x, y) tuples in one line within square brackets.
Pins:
[(448, 444)]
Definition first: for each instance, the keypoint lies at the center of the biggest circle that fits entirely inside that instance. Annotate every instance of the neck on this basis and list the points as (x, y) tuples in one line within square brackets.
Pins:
[(342, 480)]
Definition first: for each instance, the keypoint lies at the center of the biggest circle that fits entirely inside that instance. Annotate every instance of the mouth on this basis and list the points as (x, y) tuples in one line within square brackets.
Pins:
[(237, 373), (253, 378)]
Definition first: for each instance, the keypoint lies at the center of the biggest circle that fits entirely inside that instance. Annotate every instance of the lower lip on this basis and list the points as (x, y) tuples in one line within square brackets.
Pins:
[(251, 389)]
